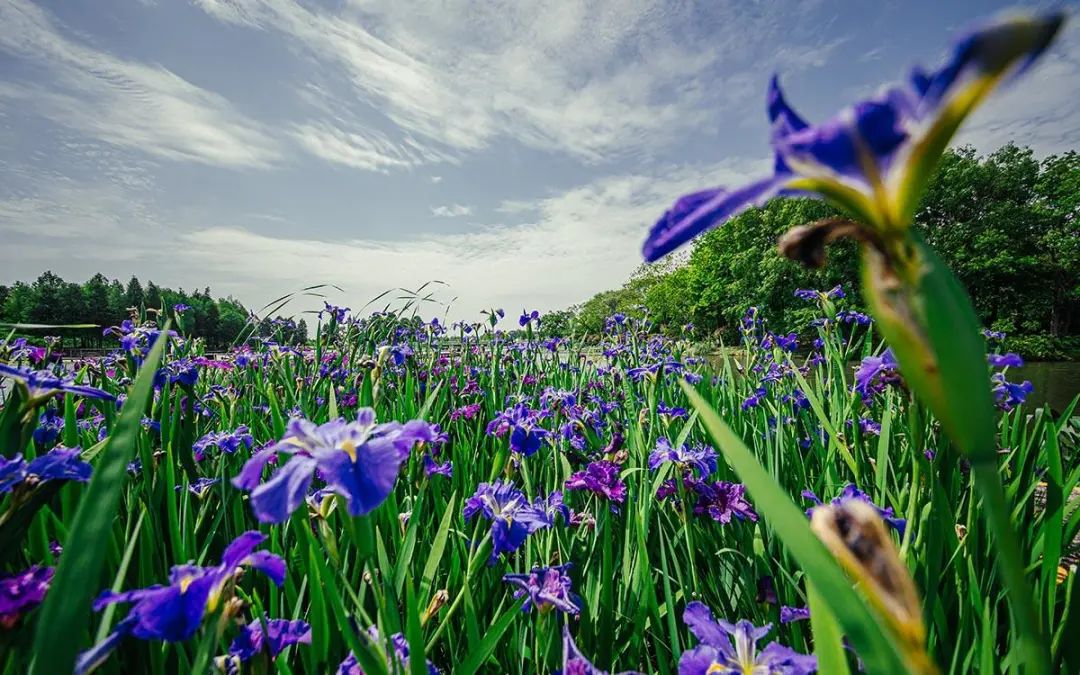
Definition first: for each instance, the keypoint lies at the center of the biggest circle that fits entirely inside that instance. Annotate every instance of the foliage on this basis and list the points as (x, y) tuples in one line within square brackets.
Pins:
[(1007, 224), (416, 566), (50, 300)]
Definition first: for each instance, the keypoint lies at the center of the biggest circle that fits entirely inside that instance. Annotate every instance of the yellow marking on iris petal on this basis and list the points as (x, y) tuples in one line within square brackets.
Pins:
[(842, 195), (350, 449), (925, 154), (716, 668), (185, 582)]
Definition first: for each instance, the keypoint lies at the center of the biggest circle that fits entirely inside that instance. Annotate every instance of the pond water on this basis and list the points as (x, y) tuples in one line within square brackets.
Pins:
[(1055, 382)]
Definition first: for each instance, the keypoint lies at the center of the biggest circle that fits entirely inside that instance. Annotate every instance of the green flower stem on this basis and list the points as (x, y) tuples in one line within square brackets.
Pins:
[(1011, 563)]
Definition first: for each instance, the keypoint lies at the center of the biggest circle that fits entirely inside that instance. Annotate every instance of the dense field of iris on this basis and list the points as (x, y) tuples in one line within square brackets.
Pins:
[(485, 500), (400, 495)]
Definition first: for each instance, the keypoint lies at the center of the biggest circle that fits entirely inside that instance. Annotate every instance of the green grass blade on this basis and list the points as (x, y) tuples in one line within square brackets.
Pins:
[(877, 650), (67, 606)]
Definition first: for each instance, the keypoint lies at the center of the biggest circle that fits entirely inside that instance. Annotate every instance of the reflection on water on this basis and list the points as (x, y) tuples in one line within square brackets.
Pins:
[(1055, 382)]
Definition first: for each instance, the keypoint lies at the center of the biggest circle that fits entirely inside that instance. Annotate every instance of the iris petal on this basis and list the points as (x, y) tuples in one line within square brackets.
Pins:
[(277, 498), (979, 63), (695, 213)]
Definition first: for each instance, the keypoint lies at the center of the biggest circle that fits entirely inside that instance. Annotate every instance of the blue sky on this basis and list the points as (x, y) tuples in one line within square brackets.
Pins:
[(516, 150)]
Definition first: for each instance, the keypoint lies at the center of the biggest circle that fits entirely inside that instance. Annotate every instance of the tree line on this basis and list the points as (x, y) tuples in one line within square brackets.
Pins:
[(104, 302), (1007, 224)]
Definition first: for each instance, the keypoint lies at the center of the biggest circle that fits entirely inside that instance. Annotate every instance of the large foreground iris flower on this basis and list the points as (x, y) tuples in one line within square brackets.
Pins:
[(875, 158), (358, 460), (175, 611)]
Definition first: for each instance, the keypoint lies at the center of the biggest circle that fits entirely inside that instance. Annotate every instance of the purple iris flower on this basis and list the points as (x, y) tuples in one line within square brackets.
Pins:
[(433, 468), (526, 436), (358, 460), (1007, 394), (853, 493), (528, 317), (200, 487), (807, 294), (547, 588), (50, 424), (398, 659), (755, 399), (727, 648), (280, 633), (57, 464), (994, 335), (875, 158), (600, 477), (670, 411), (793, 614), (686, 458), (180, 308), (512, 517), (1009, 360), (552, 506), (225, 441), (875, 373), (575, 663), (21, 592), (174, 612), (43, 383), (851, 316), (722, 500), (336, 313)]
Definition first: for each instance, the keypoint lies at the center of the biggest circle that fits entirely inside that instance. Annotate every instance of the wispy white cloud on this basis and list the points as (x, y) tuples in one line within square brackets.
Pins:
[(451, 211), (1040, 110), (590, 79), (361, 149), (573, 244), (130, 104)]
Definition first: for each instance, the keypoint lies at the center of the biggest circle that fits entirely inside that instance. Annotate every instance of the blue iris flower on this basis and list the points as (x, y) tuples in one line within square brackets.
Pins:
[(175, 611), (512, 517), (875, 158), (43, 383), (358, 460), (57, 464)]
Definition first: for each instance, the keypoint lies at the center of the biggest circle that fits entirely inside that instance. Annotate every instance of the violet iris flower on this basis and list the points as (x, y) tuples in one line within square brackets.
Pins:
[(174, 612), (875, 158), (875, 373), (793, 614), (853, 493), (512, 517), (43, 383), (526, 435), (575, 663), (358, 460), (280, 633), (1009, 360), (225, 441), (57, 464), (1007, 394), (686, 458), (727, 648), (433, 468), (602, 478), (722, 500), (398, 660), (548, 588), (21, 592)]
